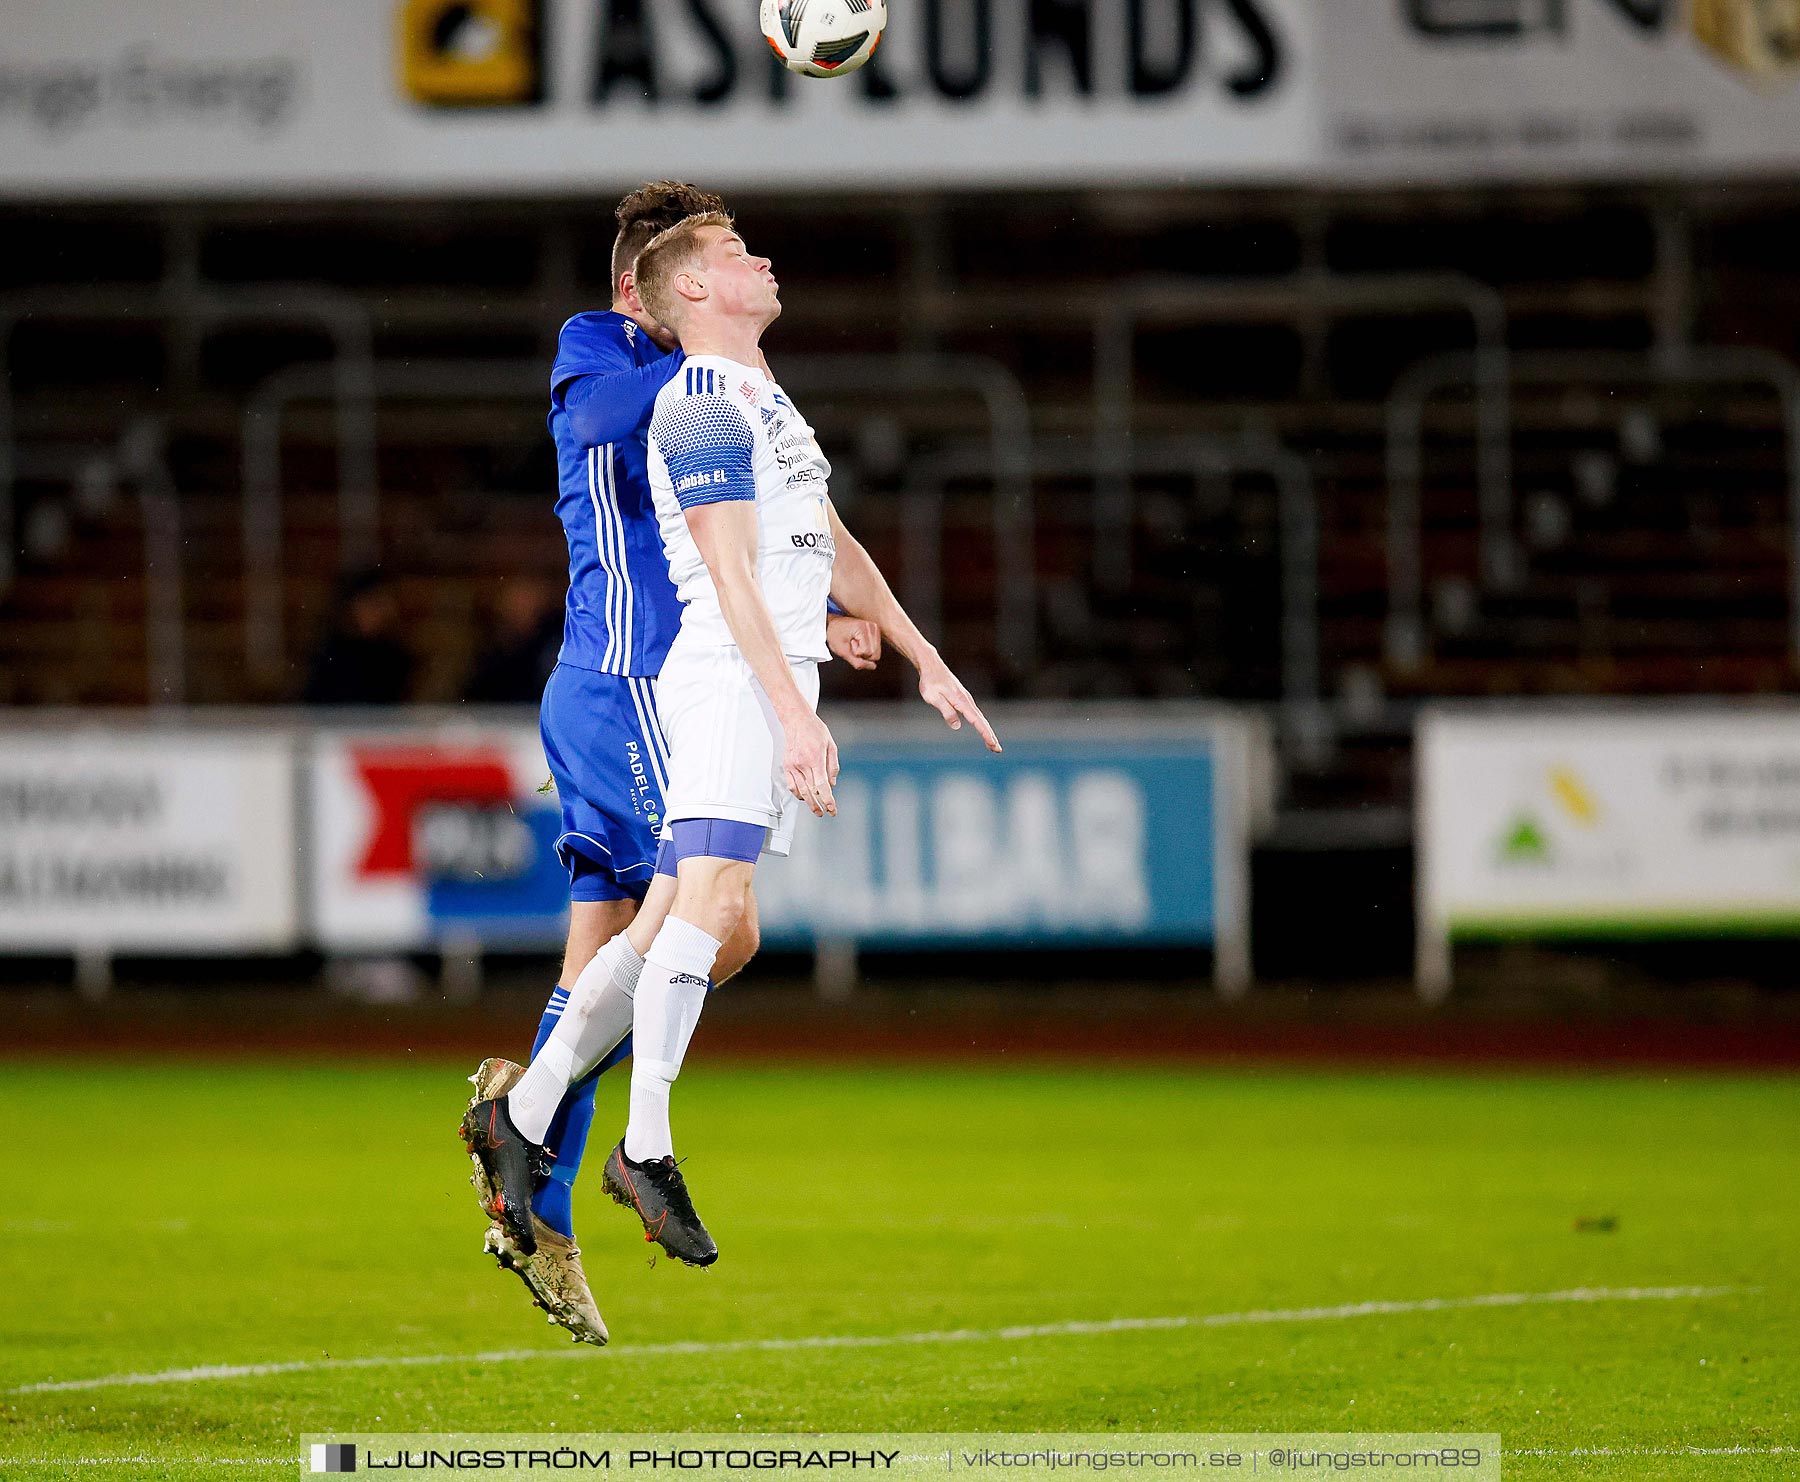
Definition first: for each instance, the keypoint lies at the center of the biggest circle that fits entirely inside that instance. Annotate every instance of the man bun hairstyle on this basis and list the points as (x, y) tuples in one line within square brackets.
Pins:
[(671, 252), (651, 209)]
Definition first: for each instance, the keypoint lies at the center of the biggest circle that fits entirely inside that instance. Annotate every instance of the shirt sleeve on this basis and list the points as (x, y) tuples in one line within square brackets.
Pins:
[(610, 406), (591, 344), (709, 448)]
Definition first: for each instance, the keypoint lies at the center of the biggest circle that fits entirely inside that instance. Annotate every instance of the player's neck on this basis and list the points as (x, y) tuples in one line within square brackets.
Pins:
[(619, 306), (729, 339)]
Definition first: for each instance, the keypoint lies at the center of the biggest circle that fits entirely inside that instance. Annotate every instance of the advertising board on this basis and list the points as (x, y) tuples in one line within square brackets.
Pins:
[(386, 97), (425, 833), (1605, 821), (129, 839)]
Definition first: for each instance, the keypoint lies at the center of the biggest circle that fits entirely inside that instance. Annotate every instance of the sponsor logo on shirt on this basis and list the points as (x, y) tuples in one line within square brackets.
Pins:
[(699, 480)]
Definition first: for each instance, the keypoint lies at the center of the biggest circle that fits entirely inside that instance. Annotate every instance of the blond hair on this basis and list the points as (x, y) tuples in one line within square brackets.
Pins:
[(671, 252)]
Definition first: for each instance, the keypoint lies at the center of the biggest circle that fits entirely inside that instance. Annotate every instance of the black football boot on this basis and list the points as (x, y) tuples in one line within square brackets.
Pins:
[(512, 1167), (656, 1192)]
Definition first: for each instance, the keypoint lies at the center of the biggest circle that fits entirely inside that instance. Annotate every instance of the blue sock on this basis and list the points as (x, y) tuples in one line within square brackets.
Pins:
[(568, 1134)]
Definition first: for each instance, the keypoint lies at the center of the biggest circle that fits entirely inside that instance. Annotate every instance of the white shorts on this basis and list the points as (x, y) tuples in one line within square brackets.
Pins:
[(725, 744)]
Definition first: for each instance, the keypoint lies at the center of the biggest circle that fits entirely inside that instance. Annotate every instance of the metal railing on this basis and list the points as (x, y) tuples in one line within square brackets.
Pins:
[(359, 509), (1010, 452), (1404, 634), (354, 384), (1008, 448), (1118, 317), (344, 318), (1305, 720)]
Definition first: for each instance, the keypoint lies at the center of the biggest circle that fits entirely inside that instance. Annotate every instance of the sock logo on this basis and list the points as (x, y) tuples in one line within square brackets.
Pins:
[(688, 979)]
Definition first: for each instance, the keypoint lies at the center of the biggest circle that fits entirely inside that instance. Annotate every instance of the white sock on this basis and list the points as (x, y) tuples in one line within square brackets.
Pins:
[(669, 999), (596, 1017)]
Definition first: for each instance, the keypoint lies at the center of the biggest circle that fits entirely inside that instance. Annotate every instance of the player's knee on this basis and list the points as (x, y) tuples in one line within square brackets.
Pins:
[(717, 904), (730, 906)]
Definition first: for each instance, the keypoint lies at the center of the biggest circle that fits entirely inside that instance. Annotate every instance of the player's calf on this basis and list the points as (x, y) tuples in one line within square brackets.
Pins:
[(713, 859)]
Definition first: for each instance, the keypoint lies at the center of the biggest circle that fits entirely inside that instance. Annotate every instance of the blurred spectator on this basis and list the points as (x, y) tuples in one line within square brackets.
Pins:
[(362, 660), (521, 650)]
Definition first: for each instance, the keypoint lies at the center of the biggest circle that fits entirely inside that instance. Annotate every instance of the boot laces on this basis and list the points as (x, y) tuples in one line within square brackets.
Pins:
[(665, 1172)]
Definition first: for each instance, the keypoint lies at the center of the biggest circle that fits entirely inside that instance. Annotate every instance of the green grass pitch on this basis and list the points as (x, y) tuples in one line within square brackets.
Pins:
[(184, 1214)]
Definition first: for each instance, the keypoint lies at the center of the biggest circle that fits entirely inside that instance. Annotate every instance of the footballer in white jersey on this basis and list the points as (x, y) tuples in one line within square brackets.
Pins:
[(721, 430), (754, 546), (724, 431)]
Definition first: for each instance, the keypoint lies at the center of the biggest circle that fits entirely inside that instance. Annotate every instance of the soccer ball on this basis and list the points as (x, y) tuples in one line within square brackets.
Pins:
[(824, 38)]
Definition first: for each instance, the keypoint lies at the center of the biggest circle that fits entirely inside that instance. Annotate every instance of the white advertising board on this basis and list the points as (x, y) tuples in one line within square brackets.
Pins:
[(525, 95), (1523, 89), (507, 96), (144, 841), (1605, 822)]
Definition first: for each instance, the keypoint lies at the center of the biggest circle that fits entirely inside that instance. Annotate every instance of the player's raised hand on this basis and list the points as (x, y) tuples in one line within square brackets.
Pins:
[(809, 762), (945, 693), (854, 640)]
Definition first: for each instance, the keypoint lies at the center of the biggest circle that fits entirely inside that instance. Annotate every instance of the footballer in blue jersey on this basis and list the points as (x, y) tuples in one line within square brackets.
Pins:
[(607, 755)]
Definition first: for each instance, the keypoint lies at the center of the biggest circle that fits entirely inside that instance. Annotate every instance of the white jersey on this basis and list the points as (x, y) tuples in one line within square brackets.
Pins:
[(723, 431)]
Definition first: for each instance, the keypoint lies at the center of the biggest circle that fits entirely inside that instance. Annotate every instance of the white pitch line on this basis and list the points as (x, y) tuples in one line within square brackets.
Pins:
[(149, 1461), (208, 1372)]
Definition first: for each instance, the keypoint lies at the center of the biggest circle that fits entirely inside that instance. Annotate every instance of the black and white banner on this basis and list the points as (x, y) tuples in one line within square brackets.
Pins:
[(523, 95), (495, 96)]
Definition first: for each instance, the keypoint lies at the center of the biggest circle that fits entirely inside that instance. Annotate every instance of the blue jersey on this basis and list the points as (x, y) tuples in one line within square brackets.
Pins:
[(622, 612)]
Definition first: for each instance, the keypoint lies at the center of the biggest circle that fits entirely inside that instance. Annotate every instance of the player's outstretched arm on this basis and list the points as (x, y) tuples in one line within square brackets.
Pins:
[(726, 534), (858, 586)]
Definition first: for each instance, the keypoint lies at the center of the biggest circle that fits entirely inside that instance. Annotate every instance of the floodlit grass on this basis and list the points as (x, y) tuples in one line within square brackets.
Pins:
[(173, 1216)]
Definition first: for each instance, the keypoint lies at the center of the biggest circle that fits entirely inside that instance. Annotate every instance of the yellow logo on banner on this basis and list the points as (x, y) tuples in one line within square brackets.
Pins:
[(1529, 837), (471, 53), (1760, 37), (1572, 793)]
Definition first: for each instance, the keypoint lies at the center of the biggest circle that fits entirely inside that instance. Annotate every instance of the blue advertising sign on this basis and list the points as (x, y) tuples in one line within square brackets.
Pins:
[(1055, 842)]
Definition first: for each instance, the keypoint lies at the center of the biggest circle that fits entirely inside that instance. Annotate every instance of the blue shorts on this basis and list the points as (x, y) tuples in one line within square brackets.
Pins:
[(610, 764)]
